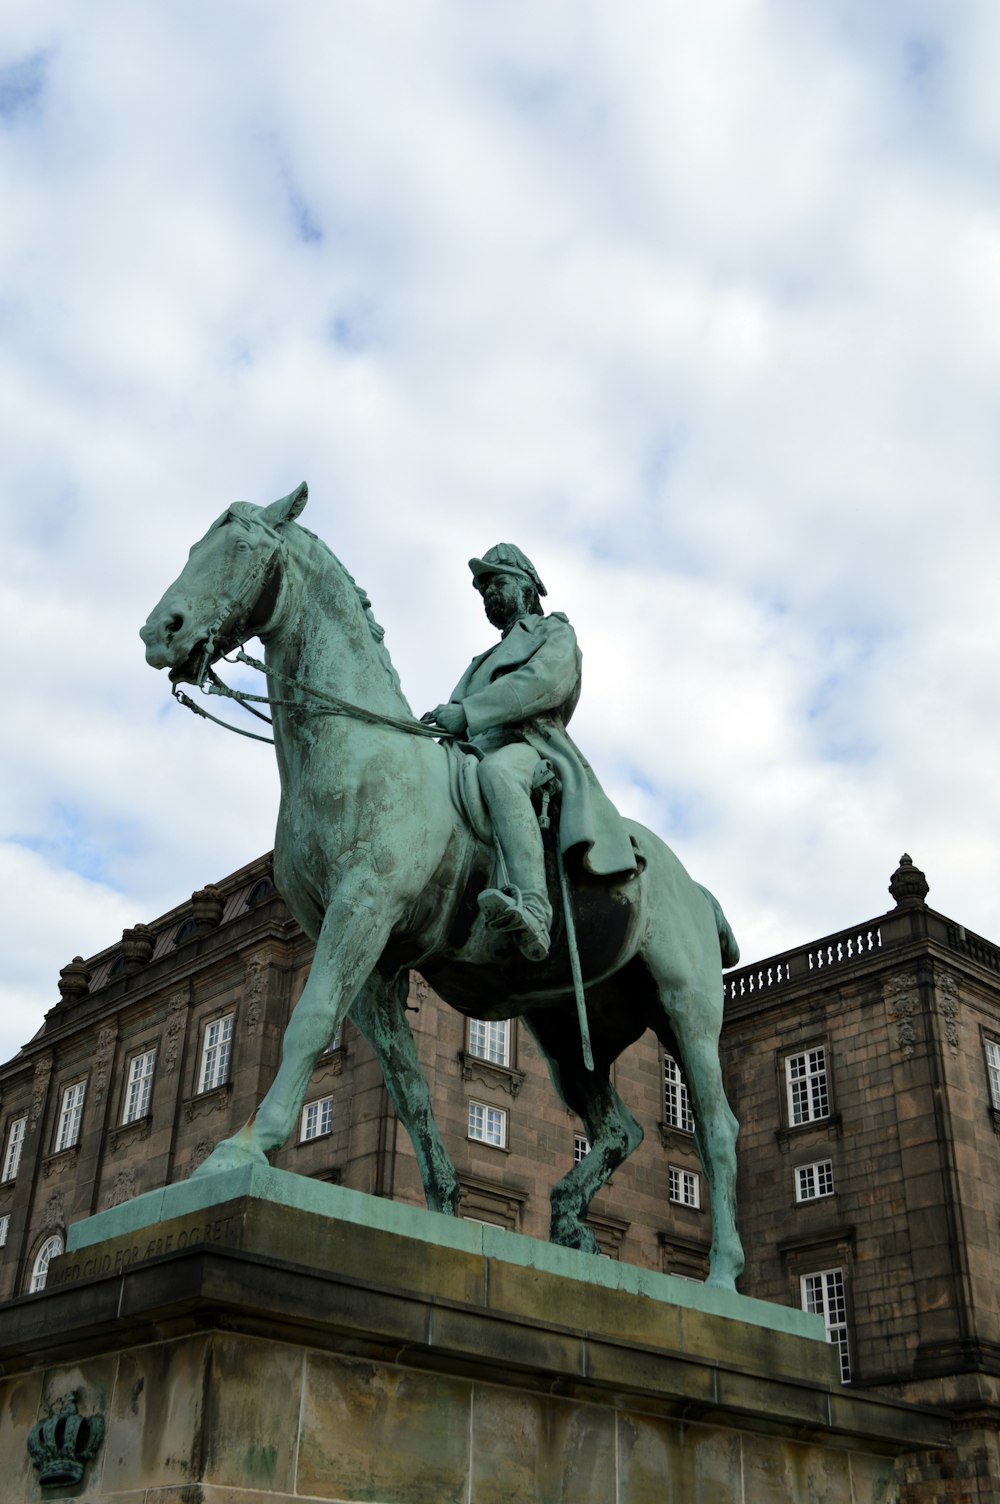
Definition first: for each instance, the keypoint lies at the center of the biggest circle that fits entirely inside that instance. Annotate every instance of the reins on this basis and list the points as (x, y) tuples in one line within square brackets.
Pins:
[(322, 704)]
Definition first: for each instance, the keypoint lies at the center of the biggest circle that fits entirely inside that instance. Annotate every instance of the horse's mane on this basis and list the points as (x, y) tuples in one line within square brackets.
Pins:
[(249, 513)]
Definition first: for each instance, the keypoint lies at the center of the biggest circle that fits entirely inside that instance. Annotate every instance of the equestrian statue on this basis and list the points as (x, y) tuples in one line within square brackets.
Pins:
[(474, 845)]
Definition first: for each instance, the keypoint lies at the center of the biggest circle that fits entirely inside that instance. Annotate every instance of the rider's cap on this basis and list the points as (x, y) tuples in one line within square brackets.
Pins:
[(506, 558)]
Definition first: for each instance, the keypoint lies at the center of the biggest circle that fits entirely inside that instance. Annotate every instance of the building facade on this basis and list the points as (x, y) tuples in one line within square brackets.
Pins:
[(864, 1069)]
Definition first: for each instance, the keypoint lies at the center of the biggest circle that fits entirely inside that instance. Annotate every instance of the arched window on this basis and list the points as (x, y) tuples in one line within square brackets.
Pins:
[(50, 1249), (262, 888)]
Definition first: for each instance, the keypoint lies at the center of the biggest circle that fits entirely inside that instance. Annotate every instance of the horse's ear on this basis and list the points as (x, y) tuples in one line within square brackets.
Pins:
[(288, 508)]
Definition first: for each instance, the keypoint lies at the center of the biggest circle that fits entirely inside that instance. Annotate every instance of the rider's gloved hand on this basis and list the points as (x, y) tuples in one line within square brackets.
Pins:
[(450, 717)]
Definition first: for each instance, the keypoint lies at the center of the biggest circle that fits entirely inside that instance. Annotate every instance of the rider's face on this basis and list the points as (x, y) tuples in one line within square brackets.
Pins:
[(503, 599)]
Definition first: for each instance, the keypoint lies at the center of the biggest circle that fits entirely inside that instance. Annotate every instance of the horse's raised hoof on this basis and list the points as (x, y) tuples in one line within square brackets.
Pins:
[(232, 1154)]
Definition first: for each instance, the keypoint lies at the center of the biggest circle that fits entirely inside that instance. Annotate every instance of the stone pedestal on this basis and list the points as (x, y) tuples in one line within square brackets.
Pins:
[(254, 1336)]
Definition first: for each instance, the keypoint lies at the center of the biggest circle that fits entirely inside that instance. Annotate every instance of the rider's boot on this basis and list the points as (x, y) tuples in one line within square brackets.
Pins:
[(523, 907)]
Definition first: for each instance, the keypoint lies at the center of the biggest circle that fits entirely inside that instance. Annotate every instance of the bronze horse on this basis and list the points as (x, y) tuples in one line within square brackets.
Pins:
[(377, 859)]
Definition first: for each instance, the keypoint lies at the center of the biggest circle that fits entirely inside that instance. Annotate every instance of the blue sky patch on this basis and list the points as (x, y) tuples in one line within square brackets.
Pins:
[(21, 87)]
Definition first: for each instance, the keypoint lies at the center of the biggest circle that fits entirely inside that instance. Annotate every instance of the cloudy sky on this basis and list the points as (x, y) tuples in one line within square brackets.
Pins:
[(699, 304)]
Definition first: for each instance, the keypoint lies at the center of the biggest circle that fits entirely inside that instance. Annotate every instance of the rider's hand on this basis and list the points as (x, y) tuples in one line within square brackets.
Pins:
[(449, 717)]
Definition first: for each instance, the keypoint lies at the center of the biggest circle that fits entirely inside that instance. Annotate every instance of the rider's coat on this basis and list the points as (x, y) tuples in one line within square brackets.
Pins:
[(525, 688)]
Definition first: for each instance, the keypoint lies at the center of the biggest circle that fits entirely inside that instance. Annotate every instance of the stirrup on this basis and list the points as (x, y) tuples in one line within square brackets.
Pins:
[(504, 910)]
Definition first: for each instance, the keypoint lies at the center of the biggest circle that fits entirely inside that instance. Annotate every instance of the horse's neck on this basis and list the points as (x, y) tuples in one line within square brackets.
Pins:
[(322, 638)]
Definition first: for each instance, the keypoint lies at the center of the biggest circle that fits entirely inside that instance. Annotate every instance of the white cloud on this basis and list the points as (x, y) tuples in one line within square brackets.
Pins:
[(697, 304)]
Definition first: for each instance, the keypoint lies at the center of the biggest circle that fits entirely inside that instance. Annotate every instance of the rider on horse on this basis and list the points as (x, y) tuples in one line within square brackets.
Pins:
[(513, 703)]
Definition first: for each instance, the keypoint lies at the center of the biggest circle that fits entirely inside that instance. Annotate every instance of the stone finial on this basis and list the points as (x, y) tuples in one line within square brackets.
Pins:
[(908, 885), (138, 945), (74, 980), (206, 909)]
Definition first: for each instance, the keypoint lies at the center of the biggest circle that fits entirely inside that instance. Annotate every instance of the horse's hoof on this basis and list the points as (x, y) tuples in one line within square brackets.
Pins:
[(231, 1154), (574, 1235)]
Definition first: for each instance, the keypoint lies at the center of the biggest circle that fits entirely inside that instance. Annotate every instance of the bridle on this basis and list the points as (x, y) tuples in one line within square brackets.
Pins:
[(312, 699)]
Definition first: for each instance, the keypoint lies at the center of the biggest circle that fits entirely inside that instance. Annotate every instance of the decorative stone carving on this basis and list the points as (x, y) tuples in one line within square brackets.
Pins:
[(57, 1164), (202, 1150), (903, 1003), (129, 1133), (176, 1009), (61, 1446), (209, 1101), (54, 1212), (476, 1069), (254, 990), (122, 1188), (74, 980), (103, 1053), (40, 1088), (948, 1000)]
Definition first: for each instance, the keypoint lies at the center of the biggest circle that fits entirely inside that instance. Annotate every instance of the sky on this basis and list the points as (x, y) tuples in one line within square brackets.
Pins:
[(698, 304)]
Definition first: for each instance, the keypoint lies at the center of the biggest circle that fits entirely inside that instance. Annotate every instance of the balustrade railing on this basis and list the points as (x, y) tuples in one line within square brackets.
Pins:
[(850, 945)]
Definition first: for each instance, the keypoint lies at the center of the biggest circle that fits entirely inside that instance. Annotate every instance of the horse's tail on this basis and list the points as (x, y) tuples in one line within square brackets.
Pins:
[(727, 940)]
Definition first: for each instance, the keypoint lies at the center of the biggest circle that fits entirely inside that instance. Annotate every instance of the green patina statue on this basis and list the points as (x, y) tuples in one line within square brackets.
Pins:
[(513, 702), (403, 843)]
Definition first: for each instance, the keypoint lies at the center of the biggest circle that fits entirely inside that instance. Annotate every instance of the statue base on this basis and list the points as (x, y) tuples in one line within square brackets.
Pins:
[(242, 1344)]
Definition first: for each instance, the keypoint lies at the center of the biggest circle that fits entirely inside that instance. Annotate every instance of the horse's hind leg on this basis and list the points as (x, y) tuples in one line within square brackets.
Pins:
[(691, 1021), (380, 1014), (612, 1131)]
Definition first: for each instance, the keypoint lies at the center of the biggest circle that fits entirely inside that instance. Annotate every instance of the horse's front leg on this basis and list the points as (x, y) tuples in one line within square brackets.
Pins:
[(379, 1012), (353, 935)]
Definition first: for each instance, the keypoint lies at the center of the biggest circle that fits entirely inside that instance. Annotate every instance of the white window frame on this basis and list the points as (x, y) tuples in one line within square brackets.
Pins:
[(139, 1086), (489, 1039), (316, 1120), (488, 1125), (337, 1042), (814, 1181), (992, 1048), (216, 1053), (807, 1085), (824, 1293), (15, 1146), (4, 1229), (50, 1249), (676, 1097), (70, 1116), (581, 1148), (685, 1187)]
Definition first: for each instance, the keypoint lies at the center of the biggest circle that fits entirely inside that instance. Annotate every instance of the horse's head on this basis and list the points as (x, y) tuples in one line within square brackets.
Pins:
[(226, 591)]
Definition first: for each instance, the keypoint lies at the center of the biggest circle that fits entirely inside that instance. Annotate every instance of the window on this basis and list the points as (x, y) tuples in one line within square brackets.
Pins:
[(808, 1086), (676, 1101), (813, 1181), (317, 1119), (70, 1113), (993, 1067), (15, 1143), (50, 1249), (823, 1294), (490, 1040), (337, 1041), (581, 1148), (488, 1125), (139, 1087), (215, 1053), (4, 1229), (685, 1187)]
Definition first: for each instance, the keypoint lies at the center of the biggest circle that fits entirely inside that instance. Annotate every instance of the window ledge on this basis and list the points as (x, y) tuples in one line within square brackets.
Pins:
[(672, 1137), (482, 1143), (830, 1126), (59, 1162), (474, 1068), (129, 1133), (216, 1100)]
